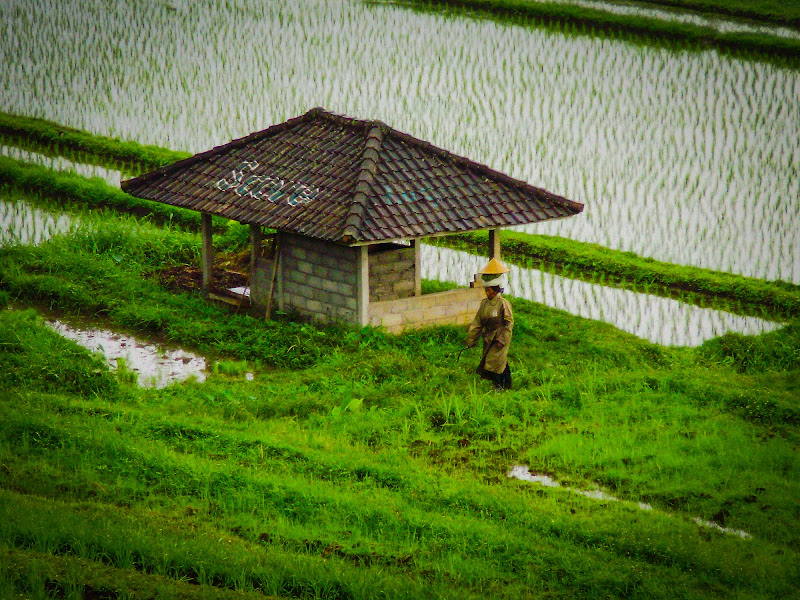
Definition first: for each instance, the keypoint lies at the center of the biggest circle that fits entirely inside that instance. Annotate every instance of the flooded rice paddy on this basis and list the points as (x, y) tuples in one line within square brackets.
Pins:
[(689, 157), (58, 163), (523, 473), (660, 320), (153, 366), (720, 24), (23, 223)]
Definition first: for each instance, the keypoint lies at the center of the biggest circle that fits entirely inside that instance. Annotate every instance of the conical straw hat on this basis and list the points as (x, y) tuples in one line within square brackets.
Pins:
[(495, 267)]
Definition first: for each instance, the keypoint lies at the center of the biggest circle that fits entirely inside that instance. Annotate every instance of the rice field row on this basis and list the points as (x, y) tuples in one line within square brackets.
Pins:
[(688, 157), (660, 320)]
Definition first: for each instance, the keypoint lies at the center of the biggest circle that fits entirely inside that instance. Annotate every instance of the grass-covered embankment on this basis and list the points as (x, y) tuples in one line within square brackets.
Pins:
[(639, 28), (573, 259), (53, 139), (358, 465), (597, 264), (75, 191), (765, 11)]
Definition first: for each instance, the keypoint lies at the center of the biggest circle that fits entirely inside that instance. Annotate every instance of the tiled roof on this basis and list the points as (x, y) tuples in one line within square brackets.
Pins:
[(348, 181)]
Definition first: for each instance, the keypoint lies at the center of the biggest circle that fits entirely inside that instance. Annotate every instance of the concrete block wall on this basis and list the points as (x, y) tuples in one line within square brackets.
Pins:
[(260, 281), (319, 279), (391, 273), (456, 307)]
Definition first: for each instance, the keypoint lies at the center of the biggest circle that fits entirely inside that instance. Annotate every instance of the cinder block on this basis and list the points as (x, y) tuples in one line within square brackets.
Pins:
[(434, 313), (391, 320), (303, 290), (330, 286), (398, 306), (316, 306)]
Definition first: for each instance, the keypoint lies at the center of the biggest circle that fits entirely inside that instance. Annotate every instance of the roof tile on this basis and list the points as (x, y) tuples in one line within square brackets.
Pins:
[(348, 181)]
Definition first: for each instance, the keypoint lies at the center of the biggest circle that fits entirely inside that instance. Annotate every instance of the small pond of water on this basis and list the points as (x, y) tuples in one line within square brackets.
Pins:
[(154, 366)]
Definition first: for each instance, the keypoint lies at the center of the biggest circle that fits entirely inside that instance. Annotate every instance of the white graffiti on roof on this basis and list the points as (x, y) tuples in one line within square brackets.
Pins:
[(244, 182)]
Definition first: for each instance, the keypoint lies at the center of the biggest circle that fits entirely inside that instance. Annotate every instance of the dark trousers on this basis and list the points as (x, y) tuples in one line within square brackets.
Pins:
[(502, 381)]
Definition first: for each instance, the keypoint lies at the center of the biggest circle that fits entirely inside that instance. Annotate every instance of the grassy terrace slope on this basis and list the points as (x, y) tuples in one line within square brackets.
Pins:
[(358, 465), (768, 11), (52, 139), (639, 27)]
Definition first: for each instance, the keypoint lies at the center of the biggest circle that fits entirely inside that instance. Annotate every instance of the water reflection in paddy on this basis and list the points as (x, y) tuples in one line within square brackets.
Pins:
[(154, 366), (57, 163), (721, 24), (23, 223), (660, 320)]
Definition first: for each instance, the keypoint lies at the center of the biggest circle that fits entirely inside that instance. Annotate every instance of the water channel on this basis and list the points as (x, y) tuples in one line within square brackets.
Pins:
[(57, 163), (690, 157), (523, 473)]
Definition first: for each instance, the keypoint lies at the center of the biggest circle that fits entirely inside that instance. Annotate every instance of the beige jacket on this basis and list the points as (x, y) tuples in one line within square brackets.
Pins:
[(495, 321)]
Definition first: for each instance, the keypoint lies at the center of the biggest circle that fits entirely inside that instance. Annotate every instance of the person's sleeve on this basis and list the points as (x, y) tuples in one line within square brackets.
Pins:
[(504, 333), (474, 330)]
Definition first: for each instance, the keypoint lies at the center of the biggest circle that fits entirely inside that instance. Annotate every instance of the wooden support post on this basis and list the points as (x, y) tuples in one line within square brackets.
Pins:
[(207, 251), (417, 267), (256, 240), (274, 278), (494, 244), (363, 285)]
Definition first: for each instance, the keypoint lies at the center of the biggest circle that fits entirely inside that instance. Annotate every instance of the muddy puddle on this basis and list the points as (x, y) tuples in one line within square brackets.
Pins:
[(523, 473), (153, 366), (660, 320)]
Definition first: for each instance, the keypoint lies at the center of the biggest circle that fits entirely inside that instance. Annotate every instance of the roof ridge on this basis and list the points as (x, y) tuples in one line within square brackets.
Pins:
[(366, 175)]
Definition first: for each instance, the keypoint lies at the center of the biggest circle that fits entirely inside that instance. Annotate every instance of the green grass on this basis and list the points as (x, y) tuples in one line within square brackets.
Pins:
[(52, 139), (362, 465), (641, 29), (773, 11), (594, 263), (73, 190)]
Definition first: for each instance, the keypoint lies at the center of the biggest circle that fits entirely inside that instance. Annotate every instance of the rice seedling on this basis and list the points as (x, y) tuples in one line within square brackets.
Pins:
[(24, 223), (686, 156), (661, 320)]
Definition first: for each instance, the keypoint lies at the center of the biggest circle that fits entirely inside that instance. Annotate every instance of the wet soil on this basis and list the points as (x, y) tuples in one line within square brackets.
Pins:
[(187, 277), (230, 271)]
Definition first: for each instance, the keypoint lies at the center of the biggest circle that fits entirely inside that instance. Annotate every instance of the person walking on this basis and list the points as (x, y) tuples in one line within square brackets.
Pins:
[(494, 322)]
